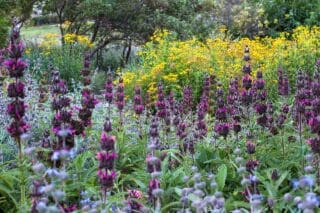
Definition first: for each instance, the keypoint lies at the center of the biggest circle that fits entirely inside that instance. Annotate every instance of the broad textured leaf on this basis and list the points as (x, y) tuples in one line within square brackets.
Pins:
[(221, 176)]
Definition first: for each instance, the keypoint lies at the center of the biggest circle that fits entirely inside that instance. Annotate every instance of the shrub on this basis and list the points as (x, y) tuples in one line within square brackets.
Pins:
[(98, 81), (67, 58), (3, 31), (179, 63), (41, 20)]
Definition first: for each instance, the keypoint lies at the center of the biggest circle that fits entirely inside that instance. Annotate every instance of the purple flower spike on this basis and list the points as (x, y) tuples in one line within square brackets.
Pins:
[(138, 103)]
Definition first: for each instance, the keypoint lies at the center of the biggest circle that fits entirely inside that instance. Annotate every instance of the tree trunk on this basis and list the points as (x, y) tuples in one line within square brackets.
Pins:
[(129, 51), (95, 31)]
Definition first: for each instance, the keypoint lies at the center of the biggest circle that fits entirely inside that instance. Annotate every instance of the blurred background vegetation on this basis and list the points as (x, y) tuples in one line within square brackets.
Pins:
[(106, 20)]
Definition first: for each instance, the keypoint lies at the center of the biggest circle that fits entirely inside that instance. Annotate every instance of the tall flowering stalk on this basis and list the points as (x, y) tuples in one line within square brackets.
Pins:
[(138, 102), (302, 104), (283, 83), (246, 69), (280, 122), (260, 100), (62, 122), (314, 121), (186, 105), (222, 127), (171, 106), (212, 93), (154, 167), (247, 93), (149, 105), (88, 100), (202, 110), (171, 102), (106, 158), (233, 101), (16, 90), (109, 92), (16, 109), (138, 107), (120, 99), (163, 112), (51, 182), (201, 124), (161, 103)]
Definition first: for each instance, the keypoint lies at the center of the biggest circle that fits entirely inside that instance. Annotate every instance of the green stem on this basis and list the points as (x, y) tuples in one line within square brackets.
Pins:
[(300, 139), (22, 177), (282, 142)]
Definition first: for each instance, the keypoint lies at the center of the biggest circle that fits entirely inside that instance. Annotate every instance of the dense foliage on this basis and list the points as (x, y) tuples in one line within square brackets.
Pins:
[(20, 9), (67, 58), (180, 63)]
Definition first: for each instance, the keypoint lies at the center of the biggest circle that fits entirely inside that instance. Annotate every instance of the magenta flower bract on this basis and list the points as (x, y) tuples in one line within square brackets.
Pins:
[(106, 159), (15, 67), (17, 128), (221, 114), (106, 178), (107, 126), (153, 184), (109, 89), (161, 103), (16, 109), (107, 142), (153, 164), (314, 123), (187, 100), (222, 129), (283, 83), (138, 103), (251, 165), (120, 95), (247, 82), (251, 147), (247, 97), (181, 130), (261, 108), (16, 90), (314, 144)]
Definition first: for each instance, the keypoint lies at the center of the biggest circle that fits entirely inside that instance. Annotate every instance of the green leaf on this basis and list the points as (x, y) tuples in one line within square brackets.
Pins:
[(222, 176), (170, 205), (281, 179), (178, 191), (193, 197)]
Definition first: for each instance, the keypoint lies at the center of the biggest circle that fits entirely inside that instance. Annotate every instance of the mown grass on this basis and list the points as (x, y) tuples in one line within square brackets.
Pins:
[(36, 34)]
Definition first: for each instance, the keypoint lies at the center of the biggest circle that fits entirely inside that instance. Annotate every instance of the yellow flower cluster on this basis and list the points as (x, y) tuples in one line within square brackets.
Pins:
[(72, 38), (49, 40), (66, 24), (52, 40), (177, 63)]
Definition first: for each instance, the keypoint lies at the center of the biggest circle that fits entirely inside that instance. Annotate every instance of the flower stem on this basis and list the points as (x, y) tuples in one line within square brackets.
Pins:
[(22, 177)]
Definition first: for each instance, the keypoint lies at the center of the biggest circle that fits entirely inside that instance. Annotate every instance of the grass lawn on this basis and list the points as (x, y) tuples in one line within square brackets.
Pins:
[(36, 34)]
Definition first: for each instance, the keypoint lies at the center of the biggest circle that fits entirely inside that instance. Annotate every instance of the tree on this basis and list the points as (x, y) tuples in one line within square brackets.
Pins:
[(131, 21), (285, 15), (9, 9)]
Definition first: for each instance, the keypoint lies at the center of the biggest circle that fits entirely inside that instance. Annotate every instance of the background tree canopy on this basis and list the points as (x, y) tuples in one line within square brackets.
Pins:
[(127, 20), (21, 9), (130, 21)]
